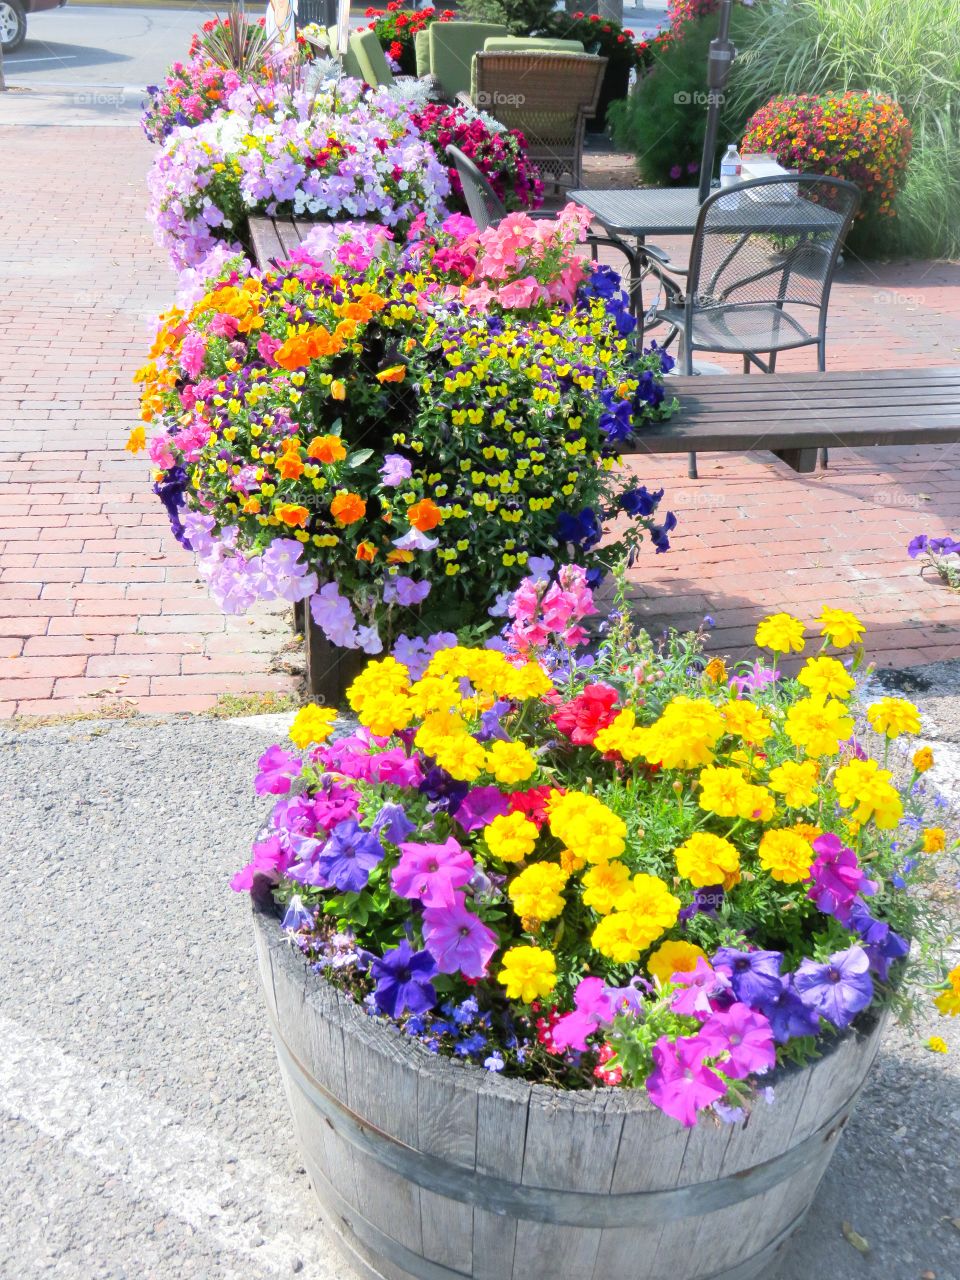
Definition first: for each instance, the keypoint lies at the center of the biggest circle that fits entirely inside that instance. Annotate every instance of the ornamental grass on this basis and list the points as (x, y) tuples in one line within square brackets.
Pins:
[(578, 857)]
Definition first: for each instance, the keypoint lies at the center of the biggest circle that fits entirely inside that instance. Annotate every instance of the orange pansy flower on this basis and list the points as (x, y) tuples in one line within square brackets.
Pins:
[(289, 466), (348, 508), (326, 449), (396, 373), (425, 515), (366, 551), (292, 514)]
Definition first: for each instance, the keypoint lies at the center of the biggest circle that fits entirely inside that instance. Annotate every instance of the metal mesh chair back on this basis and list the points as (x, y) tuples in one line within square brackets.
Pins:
[(486, 208), (765, 246)]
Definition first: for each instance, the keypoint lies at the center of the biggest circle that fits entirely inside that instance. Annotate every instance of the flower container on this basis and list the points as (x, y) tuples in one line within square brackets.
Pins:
[(430, 1169)]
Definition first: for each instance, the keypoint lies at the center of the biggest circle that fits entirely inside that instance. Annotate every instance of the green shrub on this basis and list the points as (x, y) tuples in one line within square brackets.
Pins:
[(663, 122)]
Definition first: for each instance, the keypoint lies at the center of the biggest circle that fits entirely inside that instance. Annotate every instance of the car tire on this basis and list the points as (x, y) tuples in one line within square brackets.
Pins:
[(13, 25)]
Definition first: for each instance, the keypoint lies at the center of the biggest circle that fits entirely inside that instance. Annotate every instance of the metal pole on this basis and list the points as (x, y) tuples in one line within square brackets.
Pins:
[(719, 61)]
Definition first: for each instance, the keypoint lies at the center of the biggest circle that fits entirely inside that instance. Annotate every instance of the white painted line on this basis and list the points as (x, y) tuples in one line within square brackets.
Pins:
[(67, 57), (184, 1170)]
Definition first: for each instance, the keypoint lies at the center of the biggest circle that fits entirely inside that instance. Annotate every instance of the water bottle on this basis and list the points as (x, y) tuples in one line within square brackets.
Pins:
[(731, 169)]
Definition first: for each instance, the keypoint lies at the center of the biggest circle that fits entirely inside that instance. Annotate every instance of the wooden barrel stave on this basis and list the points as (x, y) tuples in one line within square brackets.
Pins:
[(504, 1165)]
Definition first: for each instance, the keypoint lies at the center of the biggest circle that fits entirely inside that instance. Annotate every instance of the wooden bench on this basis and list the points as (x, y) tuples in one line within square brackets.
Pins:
[(793, 415)]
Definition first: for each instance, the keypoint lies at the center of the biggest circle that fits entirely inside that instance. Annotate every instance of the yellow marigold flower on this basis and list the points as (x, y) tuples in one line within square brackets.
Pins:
[(796, 782), (522, 683), (806, 830), (674, 957), (725, 792), (462, 756), (685, 734), (818, 725), (604, 886), (705, 859), (528, 973), (136, 440), (623, 735), (510, 762), (586, 826), (781, 632), (786, 855), (826, 678), (312, 724), (894, 716), (867, 789), (511, 837), (923, 760), (745, 720), (538, 890), (435, 693), (650, 910), (840, 628), (571, 863), (948, 1001), (715, 671), (618, 938), (934, 840), (937, 1044)]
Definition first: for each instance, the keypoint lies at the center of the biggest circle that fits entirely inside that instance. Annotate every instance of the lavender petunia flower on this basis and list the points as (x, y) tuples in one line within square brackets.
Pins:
[(458, 940), (838, 989), (414, 540), (297, 916), (405, 591), (395, 470), (392, 823)]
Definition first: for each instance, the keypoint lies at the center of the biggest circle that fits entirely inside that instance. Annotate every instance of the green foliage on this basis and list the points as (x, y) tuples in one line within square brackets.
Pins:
[(664, 120), (910, 52), (520, 17)]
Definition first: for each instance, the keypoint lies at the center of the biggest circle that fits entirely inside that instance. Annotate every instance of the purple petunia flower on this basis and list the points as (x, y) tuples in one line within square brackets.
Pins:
[(838, 989), (837, 878), (881, 943), (392, 823), (404, 591), (458, 940), (754, 975), (349, 856), (916, 545), (789, 1016), (432, 872), (403, 981), (297, 916), (396, 468), (481, 806), (276, 768)]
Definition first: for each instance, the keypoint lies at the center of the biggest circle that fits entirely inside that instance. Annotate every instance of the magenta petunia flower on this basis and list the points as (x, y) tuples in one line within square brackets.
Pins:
[(432, 872), (692, 1000), (595, 1004), (837, 878), (458, 940), (744, 1036), (275, 770), (680, 1084), (270, 859)]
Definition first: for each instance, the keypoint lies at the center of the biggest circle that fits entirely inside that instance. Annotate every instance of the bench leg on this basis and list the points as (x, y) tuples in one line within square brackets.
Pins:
[(802, 460), (824, 458), (692, 466)]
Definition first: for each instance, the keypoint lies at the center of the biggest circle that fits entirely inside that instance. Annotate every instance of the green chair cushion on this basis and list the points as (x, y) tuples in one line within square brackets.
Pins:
[(371, 59), (421, 49), (452, 46), (522, 44)]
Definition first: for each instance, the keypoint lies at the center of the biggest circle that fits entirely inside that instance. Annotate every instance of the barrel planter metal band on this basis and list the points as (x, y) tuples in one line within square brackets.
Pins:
[(427, 1169)]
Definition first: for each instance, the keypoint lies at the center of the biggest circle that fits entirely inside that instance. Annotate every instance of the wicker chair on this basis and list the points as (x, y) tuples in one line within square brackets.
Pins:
[(487, 209), (548, 96)]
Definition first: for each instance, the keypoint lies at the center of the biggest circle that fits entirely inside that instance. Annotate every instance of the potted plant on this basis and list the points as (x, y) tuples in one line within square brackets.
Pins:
[(610, 40), (562, 921), (396, 28), (393, 432)]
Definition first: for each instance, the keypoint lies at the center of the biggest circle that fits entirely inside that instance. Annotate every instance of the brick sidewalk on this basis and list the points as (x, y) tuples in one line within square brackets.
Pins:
[(98, 604)]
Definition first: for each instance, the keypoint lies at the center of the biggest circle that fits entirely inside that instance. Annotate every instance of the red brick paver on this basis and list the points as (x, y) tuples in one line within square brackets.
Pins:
[(98, 604)]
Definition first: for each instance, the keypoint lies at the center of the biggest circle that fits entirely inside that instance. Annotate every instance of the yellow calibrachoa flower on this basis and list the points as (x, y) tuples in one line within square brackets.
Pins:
[(511, 837), (536, 893), (705, 859), (312, 724), (796, 781), (818, 725), (586, 826), (840, 627), (510, 762), (685, 734), (528, 973), (604, 886), (923, 760), (826, 678), (674, 957), (867, 789), (745, 720), (781, 632), (786, 855), (948, 1001), (894, 716), (934, 840)]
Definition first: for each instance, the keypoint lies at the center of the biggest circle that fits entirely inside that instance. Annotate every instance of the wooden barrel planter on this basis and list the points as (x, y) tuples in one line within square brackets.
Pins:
[(429, 1169)]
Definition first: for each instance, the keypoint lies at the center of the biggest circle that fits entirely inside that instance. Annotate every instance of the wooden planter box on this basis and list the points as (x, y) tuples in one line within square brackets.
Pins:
[(330, 670), (426, 1168)]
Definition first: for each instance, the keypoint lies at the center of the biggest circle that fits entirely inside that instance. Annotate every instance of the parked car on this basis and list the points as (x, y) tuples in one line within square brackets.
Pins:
[(13, 19)]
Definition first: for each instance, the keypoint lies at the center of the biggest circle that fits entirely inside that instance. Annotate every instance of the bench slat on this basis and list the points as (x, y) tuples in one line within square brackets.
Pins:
[(267, 245)]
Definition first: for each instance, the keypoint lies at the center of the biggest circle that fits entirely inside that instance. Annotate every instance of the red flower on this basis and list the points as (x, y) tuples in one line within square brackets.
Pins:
[(532, 803), (582, 718)]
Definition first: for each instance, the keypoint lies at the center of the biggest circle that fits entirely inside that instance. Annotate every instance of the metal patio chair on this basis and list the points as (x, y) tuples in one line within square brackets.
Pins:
[(487, 209), (761, 267)]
